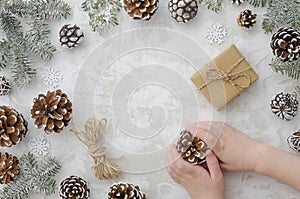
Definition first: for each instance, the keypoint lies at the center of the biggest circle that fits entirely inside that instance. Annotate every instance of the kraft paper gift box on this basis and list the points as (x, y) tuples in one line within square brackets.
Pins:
[(225, 77)]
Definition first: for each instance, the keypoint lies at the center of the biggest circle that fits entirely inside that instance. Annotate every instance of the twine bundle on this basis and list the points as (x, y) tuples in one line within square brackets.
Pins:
[(104, 168)]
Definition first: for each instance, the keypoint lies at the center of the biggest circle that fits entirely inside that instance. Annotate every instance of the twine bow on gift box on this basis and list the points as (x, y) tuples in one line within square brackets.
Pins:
[(213, 73)]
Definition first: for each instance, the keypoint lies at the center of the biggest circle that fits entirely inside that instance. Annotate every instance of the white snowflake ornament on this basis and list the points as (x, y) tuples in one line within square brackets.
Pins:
[(39, 146), (216, 34), (52, 77)]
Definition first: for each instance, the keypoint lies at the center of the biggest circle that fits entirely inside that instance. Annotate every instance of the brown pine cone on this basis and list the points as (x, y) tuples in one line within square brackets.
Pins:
[(294, 141), (74, 187), (183, 10), (286, 44), (192, 148), (4, 86), (246, 19), (284, 106), (52, 111), (9, 168), (125, 191), (70, 36), (141, 9), (13, 127)]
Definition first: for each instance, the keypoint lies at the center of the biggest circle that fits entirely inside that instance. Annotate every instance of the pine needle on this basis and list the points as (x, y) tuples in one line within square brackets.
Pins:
[(291, 69)]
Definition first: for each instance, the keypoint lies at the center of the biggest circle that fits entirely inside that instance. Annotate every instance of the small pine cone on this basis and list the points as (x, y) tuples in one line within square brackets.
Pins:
[(192, 148), (285, 44), (74, 187), (125, 191), (52, 111), (70, 36), (246, 19), (294, 141), (13, 127), (9, 168), (285, 106), (141, 9), (4, 86), (183, 10), (237, 2)]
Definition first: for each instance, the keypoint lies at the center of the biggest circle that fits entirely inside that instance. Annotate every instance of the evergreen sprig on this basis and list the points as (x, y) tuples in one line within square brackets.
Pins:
[(282, 13), (214, 5), (102, 13), (35, 175), (259, 3), (21, 44), (291, 69)]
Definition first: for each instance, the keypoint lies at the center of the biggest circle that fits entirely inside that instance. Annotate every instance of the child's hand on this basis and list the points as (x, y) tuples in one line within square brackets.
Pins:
[(198, 182), (235, 150)]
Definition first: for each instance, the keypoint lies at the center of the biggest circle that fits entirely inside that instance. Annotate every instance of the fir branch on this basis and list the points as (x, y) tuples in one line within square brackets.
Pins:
[(259, 3), (34, 176), (51, 9), (4, 48), (102, 13), (11, 26), (214, 5), (282, 13), (297, 91), (291, 69)]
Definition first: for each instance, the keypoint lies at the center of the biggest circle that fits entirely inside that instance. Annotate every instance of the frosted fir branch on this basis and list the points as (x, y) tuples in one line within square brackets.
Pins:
[(102, 13), (282, 13), (291, 69), (51, 9), (214, 5), (259, 3)]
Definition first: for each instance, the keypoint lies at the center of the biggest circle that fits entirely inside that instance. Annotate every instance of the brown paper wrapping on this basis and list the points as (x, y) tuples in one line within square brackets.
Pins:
[(225, 77)]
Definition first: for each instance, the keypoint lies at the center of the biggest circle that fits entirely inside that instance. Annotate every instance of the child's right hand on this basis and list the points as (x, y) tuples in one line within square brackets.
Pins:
[(235, 150)]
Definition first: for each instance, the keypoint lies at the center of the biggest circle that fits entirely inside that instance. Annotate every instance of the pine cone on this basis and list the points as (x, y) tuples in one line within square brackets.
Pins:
[(125, 191), (52, 111), (4, 86), (192, 148), (294, 141), (141, 9), (70, 36), (246, 19), (13, 127), (74, 187), (284, 105), (183, 10), (285, 44), (237, 2), (9, 168)]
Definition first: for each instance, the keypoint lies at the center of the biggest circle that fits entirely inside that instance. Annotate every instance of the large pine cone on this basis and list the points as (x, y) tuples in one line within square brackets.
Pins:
[(13, 127), (285, 106), (183, 10), (125, 191), (52, 111), (294, 141), (286, 44), (246, 19), (141, 9), (74, 187), (9, 168), (192, 148)]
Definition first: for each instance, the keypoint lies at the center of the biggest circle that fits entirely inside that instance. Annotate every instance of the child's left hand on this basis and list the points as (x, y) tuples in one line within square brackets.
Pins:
[(198, 182)]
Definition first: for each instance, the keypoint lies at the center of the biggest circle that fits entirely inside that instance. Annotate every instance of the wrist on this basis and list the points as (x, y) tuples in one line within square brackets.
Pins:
[(261, 157)]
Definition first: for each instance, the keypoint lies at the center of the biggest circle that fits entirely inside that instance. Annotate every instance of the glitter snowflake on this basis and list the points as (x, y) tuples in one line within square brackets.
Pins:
[(216, 34), (52, 77), (39, 146)]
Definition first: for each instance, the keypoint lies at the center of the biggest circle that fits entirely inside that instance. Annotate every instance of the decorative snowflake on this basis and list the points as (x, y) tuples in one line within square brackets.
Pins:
[(52, 77), (216, 34), (39, 146)]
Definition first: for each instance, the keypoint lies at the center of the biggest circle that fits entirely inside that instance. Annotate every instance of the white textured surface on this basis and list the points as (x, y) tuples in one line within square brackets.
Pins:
[(139, 79)]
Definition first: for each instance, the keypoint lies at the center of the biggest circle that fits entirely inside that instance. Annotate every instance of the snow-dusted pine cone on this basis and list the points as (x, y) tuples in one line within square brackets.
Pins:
[(9, 168), (294, 141), (192, 148), (141, 9), (183, 10), (285, 44), (125, 191), (74, 187), (13, 127), (246, 18), (285, 106), (237, 2), (4, 86), (52, 111), (70, 36)]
